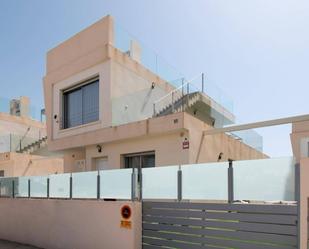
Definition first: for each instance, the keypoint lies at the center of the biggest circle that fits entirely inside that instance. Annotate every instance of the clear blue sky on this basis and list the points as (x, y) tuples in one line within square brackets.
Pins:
[(257, 51)]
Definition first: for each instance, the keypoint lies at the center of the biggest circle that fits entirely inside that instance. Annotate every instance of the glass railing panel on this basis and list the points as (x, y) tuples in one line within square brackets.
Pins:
[(59, 185), (6, 187), (21, 187), (84, 184), (116, 184), (208, 181), (123, 41), (160, 182), (265, 179), (38, 186), (250, 138)]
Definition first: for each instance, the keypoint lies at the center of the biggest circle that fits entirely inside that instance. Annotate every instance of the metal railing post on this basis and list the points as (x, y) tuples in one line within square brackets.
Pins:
[(71, 186), (133, 185), (173, 106), (154, 109), (202, 82), (29, 188), (48, 188), (140, 185), (230, 182), (187, 99), (0, 189), (98, 185), (182, 94), (13, 188), (297, 199), (179, 184)]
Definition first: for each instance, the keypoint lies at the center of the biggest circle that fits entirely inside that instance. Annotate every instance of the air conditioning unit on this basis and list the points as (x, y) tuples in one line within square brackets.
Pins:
[(80, 165)]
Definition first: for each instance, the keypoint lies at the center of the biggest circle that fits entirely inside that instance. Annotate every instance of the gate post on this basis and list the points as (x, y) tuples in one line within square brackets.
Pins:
[(48, 187), (98, 185), (179, 184), (230, 182), (71, 186), (13, 188), (29, 188), (133, 185), (298, 200)]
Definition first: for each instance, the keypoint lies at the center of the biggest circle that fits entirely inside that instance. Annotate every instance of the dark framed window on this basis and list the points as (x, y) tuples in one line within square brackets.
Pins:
[(1, 173), (81, 104), (140, 160)]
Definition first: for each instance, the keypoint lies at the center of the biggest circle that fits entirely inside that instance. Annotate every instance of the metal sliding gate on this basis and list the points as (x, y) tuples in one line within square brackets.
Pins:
[(187, 225)]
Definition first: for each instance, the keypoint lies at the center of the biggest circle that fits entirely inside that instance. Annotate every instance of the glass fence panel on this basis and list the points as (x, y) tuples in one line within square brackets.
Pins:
[(59, 186), (6, 187), (21, 187), (38, 186), (84, 184), (205, 181), (265, 179), (116, 184), (160, 182)]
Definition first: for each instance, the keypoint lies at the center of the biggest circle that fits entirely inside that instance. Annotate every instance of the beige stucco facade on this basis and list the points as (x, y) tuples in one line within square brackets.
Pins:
[(127, 91), (164, 136), (17, 164), (66, 224), (300, 139), (14, 128)]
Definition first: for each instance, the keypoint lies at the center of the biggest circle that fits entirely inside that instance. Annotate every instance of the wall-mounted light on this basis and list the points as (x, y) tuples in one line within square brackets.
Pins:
[(153, 84), (99, 148)]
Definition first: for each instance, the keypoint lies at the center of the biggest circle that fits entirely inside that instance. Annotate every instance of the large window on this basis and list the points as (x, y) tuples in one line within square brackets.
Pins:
[(81, 104)]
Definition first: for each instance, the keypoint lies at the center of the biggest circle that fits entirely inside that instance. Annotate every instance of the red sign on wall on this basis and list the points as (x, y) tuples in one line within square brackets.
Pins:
[(185, 144)]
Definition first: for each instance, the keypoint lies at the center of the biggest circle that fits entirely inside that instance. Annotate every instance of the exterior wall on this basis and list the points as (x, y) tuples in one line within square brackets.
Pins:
[(132, 96), (72, 60), (123, 82), (71, 158), (19, 125), (168, 150), (103, 70), (13, 128), (165, 136), (300, 140), (207, 148), (78, 224), (16, 164)]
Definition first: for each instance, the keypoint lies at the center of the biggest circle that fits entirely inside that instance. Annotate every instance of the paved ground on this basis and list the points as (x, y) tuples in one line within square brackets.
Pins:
[(11, 245)]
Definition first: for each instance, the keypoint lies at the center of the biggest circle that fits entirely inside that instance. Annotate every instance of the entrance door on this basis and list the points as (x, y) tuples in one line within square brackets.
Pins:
[(101, 163), (137, 162)]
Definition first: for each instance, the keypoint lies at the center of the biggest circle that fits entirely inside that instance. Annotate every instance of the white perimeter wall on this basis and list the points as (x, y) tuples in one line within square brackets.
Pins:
[(69, 224)]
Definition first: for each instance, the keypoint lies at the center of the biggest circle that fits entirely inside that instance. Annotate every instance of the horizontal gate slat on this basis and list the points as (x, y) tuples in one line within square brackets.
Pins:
[(245, 217), (213, 241), (250, 208), (272, 238), (151, 247), (173, 244), (253, 227)]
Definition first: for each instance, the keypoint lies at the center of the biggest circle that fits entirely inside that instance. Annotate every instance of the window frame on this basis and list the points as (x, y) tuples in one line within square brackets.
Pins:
[(76, 87), (138, 154)]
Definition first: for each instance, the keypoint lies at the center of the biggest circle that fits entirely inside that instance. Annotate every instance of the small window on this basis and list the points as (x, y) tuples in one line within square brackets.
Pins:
[(140, 160), (81, 104), (1, 173)]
